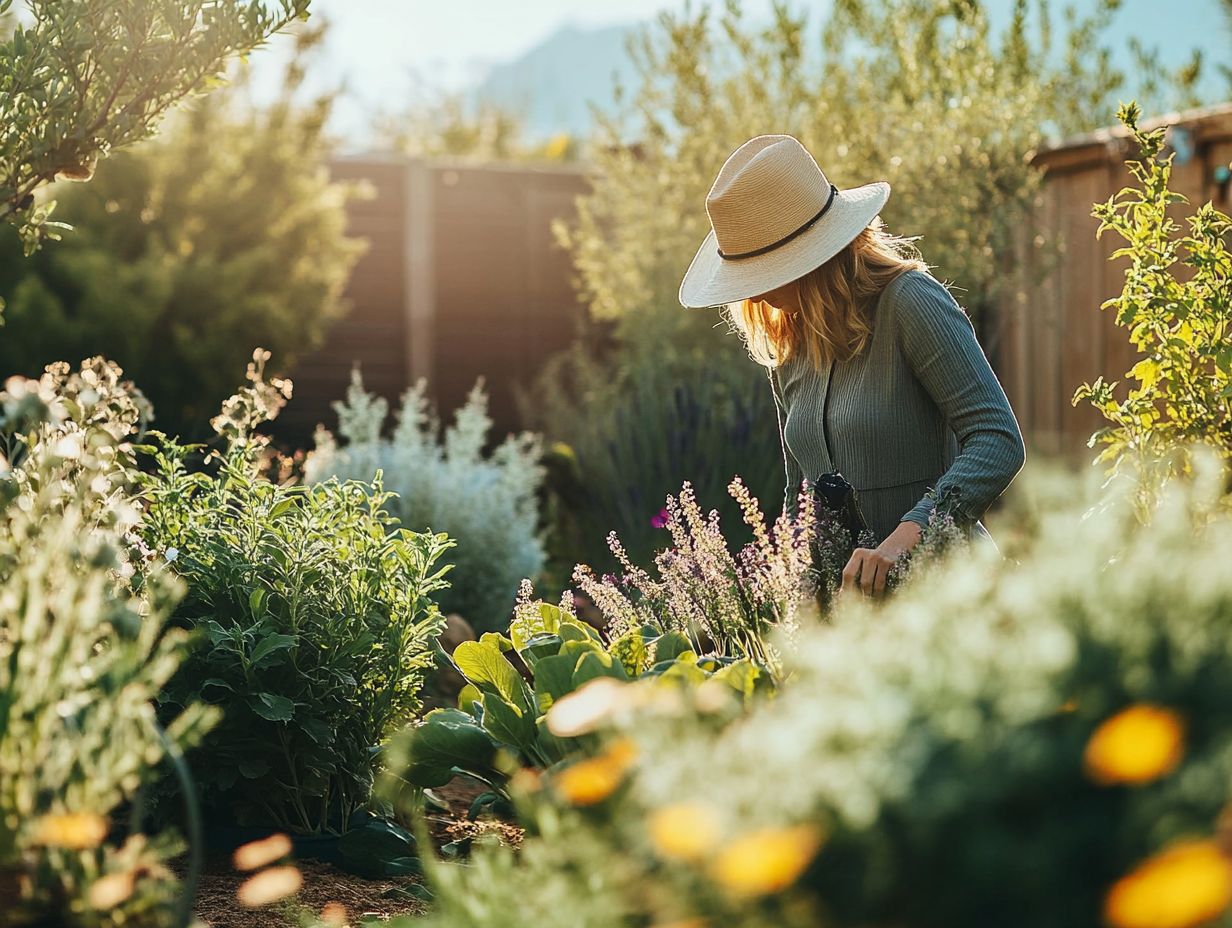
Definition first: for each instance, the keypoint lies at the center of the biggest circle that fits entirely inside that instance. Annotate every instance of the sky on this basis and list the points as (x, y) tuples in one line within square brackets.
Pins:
[(376, 46), (380, 49)]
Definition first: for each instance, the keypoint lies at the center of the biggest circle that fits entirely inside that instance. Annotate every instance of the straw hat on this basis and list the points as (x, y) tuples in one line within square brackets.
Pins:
[(774, 217)]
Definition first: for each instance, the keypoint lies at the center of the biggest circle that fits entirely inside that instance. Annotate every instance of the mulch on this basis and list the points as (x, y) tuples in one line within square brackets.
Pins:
[(218, 907)]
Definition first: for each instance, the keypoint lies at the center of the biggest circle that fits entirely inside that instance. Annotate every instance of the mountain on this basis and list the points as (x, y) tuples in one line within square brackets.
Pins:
[(553, 83)]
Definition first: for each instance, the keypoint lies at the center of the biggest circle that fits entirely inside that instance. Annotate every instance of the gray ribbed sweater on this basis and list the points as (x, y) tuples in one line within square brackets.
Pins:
[(919, 408)]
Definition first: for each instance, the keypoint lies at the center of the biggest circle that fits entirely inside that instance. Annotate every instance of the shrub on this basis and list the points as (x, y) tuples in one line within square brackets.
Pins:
[(1177, 307), (81, 661), (224, 230), (486, 503), (313, 619)]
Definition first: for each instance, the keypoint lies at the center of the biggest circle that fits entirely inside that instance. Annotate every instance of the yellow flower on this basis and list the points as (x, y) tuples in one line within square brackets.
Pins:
[(256, 854), (1186, 885), (768, 860), (1137, 745), (75, 831), (269, 886), (590, 781), (683, 831)]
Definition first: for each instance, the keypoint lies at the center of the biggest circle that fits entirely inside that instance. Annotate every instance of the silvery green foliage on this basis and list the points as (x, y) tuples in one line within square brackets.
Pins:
[(444, 482)]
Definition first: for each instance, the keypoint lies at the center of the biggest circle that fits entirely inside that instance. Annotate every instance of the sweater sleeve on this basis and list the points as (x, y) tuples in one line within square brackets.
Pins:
[(791, 468), (939, 343)]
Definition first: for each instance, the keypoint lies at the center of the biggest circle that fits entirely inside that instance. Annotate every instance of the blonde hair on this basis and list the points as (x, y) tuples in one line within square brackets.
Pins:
[(835, 299)]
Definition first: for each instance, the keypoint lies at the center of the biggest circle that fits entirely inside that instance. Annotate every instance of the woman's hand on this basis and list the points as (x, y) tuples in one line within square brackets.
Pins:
[(869, 568)]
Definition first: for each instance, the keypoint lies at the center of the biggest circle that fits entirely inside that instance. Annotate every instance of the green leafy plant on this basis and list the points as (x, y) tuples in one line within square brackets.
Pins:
[(84, 78), (1177, 308), (82, 660), (446, 480), (501, 723), (224, 230), (313, 618)]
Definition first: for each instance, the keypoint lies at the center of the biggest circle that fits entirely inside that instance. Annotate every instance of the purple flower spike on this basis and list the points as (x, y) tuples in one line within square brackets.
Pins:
[(660, 520)]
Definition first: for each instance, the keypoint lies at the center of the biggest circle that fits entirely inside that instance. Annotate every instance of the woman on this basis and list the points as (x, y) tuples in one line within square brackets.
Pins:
[(876, 371)]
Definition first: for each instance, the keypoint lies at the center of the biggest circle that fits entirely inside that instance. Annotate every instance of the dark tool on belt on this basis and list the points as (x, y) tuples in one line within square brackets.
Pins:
[(832, 490)]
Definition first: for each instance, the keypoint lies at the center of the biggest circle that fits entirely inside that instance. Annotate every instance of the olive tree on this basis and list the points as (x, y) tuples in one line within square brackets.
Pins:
[(81, 78)]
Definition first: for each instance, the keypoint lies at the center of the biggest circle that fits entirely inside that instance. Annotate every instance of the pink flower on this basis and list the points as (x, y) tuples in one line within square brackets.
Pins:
[(660, 520)]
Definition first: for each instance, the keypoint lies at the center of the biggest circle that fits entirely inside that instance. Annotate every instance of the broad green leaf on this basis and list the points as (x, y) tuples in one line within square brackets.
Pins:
[(446, 740), (553, 679), (742, 676), (573, 630), (539, 647), (271, 643), (597, 664), (531, 623), (484, 665), (467, 698), (256, 602), (685, 670), (550, 746), (274, 708), (377, 848), (671, 645), (507, 723)]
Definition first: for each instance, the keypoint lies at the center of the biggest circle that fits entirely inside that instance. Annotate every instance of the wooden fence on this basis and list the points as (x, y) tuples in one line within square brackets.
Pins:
[(1056, 337), (461, 279)]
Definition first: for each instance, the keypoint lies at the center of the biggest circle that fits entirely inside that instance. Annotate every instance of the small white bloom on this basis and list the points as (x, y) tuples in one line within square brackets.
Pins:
[(172, 554)]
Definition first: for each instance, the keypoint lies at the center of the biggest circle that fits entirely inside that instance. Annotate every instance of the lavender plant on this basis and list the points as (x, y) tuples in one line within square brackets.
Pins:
[(723, 602)]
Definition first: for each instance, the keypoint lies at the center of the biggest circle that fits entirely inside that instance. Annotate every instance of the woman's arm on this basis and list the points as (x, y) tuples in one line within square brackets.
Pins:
[(791, 467), (939, 343)]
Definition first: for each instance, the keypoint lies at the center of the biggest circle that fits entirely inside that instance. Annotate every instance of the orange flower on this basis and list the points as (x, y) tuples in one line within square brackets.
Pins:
[(683, 831), (256, 854), (768, 860), (269, 886), (1137, 745), (1186, 885), (591, 781), (74, 831)]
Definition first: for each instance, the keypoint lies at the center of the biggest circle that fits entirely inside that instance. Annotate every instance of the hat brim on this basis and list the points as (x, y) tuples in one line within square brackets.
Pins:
[(712, 280)]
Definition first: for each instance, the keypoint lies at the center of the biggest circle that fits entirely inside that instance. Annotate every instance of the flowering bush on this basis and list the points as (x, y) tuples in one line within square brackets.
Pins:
[(313, 620), (487, 504), (1018, 744), (81, 661)]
